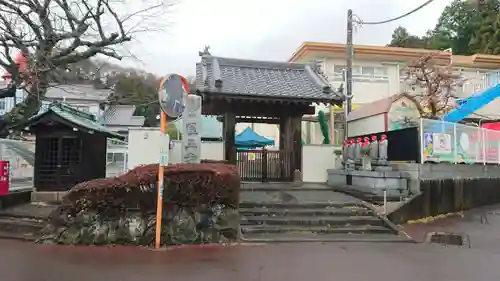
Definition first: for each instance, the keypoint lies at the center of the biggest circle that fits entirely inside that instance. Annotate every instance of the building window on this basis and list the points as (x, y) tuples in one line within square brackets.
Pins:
[(337, 69), (2, 104), (368, 71), (356, 70), (380, 72), (116, 157), (362, 72)]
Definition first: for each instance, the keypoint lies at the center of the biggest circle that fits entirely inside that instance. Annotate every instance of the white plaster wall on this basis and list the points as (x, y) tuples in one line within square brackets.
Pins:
[(143, 146), (316, 159), (315, 133), (368, 125)]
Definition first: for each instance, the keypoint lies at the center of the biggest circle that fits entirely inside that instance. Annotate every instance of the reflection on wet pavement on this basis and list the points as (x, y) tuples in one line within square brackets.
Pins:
[(20, 261)]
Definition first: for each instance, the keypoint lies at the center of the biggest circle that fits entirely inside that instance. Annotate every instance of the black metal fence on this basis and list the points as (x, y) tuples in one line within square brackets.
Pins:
[(404, 144), (264, 165)]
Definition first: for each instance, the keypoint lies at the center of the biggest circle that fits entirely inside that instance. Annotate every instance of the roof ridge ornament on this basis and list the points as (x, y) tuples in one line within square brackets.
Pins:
[(205, 51), (318, 65), (204, 68), (320, 79)]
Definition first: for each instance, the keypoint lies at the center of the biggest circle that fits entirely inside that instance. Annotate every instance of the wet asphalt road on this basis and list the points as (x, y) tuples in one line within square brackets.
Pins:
[(21, 261), (24, 261)]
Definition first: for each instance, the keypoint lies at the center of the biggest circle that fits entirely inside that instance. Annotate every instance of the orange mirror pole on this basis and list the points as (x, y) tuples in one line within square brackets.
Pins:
[(161, 171)]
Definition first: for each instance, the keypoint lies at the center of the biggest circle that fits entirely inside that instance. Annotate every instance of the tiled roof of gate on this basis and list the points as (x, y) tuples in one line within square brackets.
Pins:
[(264, 79)]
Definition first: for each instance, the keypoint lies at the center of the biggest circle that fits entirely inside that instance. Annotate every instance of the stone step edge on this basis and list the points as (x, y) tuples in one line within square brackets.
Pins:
[(306, 239), (282, 229), (291, 188), (18, 236), (313, 218), (281, 205), (22, 221)]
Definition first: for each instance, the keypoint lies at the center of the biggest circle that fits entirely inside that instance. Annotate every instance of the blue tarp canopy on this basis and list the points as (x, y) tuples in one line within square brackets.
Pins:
[(250, 139)]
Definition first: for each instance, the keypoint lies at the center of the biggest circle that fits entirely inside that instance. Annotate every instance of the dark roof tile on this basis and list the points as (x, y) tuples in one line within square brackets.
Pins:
[(280, 80)]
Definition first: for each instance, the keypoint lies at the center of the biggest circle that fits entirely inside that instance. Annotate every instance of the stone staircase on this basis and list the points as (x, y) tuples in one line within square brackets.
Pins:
[(23, 222), (318, 218)]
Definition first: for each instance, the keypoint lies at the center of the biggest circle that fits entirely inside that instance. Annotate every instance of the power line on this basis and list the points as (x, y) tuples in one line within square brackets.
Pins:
[(397, 18)]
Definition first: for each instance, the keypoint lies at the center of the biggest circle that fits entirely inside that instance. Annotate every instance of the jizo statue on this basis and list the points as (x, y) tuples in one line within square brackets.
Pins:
[(357, 151), (345, 147), (374, 149), (382, 150), (350, 151), (366, 161)]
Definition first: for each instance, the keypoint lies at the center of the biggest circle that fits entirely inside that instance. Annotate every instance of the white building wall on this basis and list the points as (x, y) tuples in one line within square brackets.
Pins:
[(371, 80), (368, 125), (316, 159), (7, 104), (143, 147)]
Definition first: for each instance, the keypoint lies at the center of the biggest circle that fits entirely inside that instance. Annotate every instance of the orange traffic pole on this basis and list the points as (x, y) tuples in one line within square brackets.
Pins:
[(161, 171)]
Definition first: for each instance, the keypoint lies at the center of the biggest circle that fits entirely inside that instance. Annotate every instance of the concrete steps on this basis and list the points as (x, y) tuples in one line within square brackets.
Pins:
[(314, 222), (23, 222), (332, 237), (271, 229), (312, 212), (20, 228), (322, 221)]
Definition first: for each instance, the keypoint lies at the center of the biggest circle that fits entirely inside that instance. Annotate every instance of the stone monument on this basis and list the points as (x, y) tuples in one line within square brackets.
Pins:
[(191, 130)]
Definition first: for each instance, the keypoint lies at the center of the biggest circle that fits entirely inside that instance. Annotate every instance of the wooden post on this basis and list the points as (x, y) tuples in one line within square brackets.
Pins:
[(296, 131), (229, 141)]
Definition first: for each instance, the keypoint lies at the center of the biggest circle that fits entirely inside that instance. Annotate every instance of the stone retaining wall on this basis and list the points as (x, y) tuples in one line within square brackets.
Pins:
[(442, 196)]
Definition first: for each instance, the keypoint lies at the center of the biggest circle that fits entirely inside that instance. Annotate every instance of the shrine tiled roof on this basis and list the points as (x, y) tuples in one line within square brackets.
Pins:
[(76, 118)]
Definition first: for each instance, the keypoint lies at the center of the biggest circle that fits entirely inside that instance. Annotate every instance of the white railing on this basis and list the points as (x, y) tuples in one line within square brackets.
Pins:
[(457, 143)]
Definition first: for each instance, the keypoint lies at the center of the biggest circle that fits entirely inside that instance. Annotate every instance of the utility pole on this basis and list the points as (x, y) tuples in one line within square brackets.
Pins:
[(348, 73)]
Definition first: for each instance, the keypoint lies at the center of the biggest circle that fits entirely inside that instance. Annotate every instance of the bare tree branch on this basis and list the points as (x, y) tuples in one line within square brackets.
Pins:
[(49, 35), (433, 84)]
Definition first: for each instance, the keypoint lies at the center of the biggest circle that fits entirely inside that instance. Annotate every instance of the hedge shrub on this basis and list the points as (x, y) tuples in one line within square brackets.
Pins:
[(187, 186)]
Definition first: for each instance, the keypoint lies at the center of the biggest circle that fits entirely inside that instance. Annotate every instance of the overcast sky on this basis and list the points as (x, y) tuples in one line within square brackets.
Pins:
[(269, 29)]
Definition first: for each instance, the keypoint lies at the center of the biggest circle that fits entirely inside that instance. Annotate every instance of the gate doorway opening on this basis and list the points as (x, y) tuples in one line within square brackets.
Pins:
[(264, 165)]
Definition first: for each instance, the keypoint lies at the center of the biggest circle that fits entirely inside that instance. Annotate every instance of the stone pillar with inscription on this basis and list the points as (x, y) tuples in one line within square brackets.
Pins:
[(191, 130)]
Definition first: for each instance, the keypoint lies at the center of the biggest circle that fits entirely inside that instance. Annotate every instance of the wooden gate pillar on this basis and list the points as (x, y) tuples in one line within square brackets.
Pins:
[(286, 147), (229, 127), (296, 123)]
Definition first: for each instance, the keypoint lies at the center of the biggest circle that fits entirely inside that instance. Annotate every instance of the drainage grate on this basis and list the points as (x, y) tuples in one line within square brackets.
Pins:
[(444, 238)]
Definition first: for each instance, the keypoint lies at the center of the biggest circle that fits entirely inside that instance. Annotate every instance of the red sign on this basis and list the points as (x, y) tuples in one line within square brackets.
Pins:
[(4, 177)]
